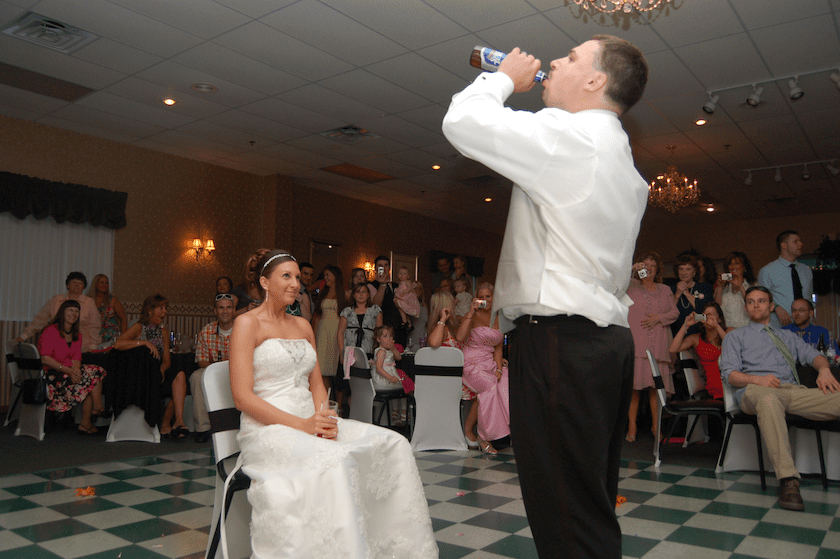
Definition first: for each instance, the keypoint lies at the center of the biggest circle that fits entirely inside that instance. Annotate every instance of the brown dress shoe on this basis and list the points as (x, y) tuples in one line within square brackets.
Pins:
[(789, 497)]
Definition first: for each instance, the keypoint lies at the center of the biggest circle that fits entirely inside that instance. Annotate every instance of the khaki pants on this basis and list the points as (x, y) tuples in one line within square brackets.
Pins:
[(200, 417), (771, 404)]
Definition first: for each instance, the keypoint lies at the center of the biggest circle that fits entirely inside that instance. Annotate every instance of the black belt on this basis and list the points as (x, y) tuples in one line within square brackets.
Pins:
[(537, 319)]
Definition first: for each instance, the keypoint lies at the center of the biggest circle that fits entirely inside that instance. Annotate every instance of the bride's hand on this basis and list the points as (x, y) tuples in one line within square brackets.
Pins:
[(322, 424)]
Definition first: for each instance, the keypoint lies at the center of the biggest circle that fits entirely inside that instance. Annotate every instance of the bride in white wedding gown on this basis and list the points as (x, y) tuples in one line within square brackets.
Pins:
[(321, 486)]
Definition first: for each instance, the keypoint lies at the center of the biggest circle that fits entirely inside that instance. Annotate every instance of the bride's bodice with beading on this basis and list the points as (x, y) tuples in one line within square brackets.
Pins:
[(281, 377)]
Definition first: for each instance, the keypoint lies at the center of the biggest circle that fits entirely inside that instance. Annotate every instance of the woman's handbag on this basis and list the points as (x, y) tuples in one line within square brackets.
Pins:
[(35, 390), (407, 383)]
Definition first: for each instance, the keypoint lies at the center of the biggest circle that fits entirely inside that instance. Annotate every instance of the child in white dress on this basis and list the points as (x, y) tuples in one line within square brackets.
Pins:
[(463, 296), (385, 376), (405, 298)]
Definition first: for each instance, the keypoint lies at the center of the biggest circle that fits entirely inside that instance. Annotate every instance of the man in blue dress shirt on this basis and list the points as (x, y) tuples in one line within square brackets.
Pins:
[(801, 312), (786, 278), (760, 362)]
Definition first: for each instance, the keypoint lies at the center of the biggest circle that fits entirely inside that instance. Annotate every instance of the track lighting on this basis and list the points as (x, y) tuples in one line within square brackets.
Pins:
[(795, 91), (709, 107), (778, 177), (836, 79), (806, 175), (830, 165), (749, 179), (755, 98), (832, 169)]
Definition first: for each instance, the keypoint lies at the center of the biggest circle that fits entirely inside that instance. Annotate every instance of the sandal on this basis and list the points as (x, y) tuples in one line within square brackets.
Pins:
[(630, 438), (180, 432), (100, 412), (87, 431), (471, 443), (487, 448)]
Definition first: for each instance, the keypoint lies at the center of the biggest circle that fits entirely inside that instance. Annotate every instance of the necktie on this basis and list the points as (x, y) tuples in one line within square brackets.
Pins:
[(797, 285), (777, 341)]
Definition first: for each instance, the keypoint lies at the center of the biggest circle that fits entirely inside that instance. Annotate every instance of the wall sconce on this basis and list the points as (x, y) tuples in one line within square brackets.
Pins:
[(203, 250), (369, 269)]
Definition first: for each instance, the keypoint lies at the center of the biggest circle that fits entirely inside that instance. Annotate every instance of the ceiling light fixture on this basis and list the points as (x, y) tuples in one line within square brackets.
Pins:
[(700, 121), (488, 199), (436, 167), (755, 97), (626, 6), (672, 190), (169, 101), (795, 91), (709, 108), (204, 87), (829, 165)]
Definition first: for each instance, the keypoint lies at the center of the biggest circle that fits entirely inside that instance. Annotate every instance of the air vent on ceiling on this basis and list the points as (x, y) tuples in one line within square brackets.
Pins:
[(349, 134), (49, 33)]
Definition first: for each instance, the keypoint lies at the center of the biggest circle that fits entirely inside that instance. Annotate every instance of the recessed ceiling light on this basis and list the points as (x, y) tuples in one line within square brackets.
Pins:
[(436, 167), (488, 199), (204, 87), (710, 208), (700, 121), (169, 101)]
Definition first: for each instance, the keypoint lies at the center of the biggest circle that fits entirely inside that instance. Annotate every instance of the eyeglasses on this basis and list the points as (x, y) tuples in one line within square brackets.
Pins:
[(221, 296)]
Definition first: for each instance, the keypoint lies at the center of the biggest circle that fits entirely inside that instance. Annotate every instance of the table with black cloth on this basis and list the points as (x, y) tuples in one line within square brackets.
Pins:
[(134, 379)]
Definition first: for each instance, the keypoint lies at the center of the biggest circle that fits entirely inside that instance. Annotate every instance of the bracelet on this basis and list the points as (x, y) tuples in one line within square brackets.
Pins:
[(440, 322)]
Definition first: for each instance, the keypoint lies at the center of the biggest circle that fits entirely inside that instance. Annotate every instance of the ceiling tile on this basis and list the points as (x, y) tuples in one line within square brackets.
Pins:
[(92, 116), (742, 63), (85, 128), (330, 103), (799, 53), (668, 77), (180, 78), (116, 56), (401, 130), (291, 115), (694, 21), (331, 31), (224, 135), (365, 87), (198, 17), (305, 159), (419, 75), (773, 12), (279, 50), (256, 8), (129, 108), (256, 125), (151, 94), (33, 102), (216, 60)]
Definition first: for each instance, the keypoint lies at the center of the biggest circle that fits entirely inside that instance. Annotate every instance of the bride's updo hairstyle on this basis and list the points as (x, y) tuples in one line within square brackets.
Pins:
[(266, 265)]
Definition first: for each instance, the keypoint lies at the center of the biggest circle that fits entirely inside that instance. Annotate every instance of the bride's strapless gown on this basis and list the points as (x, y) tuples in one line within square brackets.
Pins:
[(359, 496)]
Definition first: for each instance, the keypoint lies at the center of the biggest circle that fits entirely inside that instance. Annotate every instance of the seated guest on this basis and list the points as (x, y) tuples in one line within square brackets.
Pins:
[(247, 294), (802, 312), (213, 347), (384, 374), (225, 285), (730, 289), (111, 311), (759, 360), (418, 330), (69, 382), (689, 295), (485, 373), (149, 332), (89, 321), (706, 344), (442, 322)]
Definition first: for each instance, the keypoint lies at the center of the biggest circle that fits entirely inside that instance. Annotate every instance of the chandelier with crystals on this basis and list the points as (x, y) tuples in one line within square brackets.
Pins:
[(672, 190), (627, 6)]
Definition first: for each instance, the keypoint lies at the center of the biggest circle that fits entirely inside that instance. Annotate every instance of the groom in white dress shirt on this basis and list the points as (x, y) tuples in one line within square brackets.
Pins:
[(575, 210)]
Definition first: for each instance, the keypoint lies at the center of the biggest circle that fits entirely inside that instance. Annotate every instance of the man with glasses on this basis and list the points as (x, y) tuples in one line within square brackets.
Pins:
[(213, 346)]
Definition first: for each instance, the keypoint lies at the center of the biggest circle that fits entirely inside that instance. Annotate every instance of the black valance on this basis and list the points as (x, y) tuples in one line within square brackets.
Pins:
[(22, 196)]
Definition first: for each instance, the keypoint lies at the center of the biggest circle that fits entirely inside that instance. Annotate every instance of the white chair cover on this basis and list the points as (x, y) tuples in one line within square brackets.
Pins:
[(216, 386), (361, 406), (31, 417), (438, 423), (131, 426)]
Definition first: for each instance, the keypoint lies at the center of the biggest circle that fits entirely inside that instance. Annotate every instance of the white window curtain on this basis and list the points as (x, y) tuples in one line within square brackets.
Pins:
[(37, 254)]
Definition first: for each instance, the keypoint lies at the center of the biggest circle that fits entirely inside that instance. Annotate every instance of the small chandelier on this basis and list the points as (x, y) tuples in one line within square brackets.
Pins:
[(672, 190), (627, 6)]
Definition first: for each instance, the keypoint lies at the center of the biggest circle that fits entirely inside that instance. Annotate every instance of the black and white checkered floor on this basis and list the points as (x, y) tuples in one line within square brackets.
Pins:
[(161, 506)]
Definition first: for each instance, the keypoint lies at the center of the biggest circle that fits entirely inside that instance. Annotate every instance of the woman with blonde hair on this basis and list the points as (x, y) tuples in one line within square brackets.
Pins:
[(114, 321), (442, 321)]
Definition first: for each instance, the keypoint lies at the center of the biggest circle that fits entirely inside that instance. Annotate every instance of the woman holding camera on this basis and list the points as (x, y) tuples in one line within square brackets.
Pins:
[(732, 288), (485, 373), (652, 311), (706, 344)]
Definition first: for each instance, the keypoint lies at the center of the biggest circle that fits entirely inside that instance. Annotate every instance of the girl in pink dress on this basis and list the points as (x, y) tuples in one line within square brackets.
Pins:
[(405, 298), (485, 373)]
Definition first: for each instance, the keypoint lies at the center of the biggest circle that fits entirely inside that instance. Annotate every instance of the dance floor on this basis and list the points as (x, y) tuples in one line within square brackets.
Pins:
[(161, 506)]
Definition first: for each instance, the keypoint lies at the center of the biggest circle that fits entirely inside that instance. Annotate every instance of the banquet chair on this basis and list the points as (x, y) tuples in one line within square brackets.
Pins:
[(224, 425), (361, 386), (677, 408), (695, 380), (24, 362), (734, 416), (437, 424)]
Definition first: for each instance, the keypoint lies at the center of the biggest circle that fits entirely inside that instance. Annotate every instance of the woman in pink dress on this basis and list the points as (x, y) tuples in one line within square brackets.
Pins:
[(652, 311), (70, 382), (707, 344), (484, 371)]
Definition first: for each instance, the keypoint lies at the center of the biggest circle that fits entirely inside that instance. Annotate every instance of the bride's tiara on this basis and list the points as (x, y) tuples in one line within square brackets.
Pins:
[(267, 262)]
